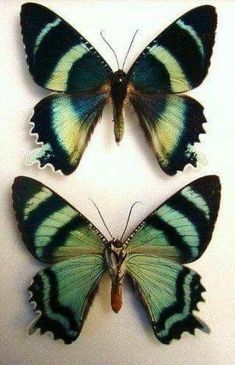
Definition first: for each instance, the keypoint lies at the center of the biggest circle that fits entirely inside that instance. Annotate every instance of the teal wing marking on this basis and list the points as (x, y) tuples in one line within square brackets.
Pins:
[(178, 59), (181, 228), (59, 58), (172, 124), (64, 125), (170, 293), (51, 228), (63, 293)]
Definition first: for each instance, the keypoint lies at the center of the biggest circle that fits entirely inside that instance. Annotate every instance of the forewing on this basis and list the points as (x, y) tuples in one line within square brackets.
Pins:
[(59, 58), (172, 124), (181, 228), (178, 59), (170, 293), (51, 228), (64, 125), (63, 293)]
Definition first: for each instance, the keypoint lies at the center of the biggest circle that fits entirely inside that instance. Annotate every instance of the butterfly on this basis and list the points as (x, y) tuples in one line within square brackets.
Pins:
[(62, 61), (177, 232)]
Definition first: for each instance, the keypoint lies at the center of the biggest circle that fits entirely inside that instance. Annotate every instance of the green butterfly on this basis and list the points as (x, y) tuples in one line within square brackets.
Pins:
[(177, 232)]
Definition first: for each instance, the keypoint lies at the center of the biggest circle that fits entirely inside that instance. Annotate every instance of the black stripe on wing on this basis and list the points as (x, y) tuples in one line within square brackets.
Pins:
[(197, 207), (179, 324), (173, 236), (44, 323), (63, 294)]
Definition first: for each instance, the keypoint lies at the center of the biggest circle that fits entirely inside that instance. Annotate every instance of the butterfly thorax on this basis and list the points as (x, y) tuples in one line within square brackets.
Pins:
[(115, 259), (119, 83)]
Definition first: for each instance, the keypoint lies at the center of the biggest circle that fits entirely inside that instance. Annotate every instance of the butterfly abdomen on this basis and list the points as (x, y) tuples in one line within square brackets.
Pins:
[(118, 93), (116, 297)]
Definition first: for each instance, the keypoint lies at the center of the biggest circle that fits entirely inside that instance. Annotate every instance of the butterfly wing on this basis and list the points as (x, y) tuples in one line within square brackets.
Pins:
[(178, 59), (177, 232), (52, 229), (181, 228), (59, 58), (64, 125), (170, 293), (62, 295), (172, 125), (175, 61)]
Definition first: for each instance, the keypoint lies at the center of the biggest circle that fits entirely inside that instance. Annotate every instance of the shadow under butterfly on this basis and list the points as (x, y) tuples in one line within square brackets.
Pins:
[(176, 233), (61, 60)]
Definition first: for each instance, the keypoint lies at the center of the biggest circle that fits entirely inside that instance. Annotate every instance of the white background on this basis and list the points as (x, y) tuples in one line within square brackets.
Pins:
[(115, 177)]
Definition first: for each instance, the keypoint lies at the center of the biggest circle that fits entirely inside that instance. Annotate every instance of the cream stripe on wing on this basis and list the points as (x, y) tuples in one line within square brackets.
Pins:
[(60, 73), (44, 32), (168, 129), (176, 74), (67, 127), (193, 34), (36, 200)]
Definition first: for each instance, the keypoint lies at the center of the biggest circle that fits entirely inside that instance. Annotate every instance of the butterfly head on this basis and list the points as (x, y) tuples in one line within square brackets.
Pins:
[(119, 81)]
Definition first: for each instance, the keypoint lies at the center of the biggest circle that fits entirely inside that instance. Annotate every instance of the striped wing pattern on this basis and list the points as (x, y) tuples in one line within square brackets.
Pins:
[(59, 58), (172, 125), (64, 125), (63, 293), (177, 232), (170, 293), (54, 232), (178, 59), (174, 62), (52, 229), (181, 228)]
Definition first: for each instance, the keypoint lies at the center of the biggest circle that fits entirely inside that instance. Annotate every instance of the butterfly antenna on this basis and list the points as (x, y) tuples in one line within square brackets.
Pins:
[(102, 36), (102, 218), (129, 48), (128, 219)]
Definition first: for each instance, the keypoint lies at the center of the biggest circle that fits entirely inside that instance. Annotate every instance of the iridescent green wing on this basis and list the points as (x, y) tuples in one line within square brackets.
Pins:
[(63, 293), (51, 228), (170, 293), (177, 232), (181, 228), (54, 231)]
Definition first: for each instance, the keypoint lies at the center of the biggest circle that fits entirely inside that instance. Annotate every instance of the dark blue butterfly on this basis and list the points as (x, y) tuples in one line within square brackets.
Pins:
[(60, 59)]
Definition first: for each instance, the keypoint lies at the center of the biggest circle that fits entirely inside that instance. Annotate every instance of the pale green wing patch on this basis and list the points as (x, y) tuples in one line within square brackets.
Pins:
[(170, 293), (63, 294)]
